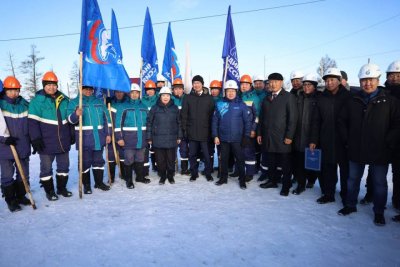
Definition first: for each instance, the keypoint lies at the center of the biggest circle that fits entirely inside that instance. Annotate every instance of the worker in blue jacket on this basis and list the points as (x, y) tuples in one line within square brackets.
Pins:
[(231, 123)]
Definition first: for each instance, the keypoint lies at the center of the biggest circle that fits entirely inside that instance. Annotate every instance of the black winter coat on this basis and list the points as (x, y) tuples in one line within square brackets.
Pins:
[(278, 119), (163, 125), (394, 90), (306, 105), (196, 115), (371, 129), (324, 129)]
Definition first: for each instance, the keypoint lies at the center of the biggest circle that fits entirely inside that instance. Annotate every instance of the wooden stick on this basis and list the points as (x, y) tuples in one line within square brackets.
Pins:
[(22, 173), (80, 125)]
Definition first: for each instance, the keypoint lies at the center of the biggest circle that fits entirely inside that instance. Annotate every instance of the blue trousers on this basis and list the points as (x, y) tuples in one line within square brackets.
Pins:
[(92, 158), (46, 165), (8, 168), (133, 155), (379, 182)]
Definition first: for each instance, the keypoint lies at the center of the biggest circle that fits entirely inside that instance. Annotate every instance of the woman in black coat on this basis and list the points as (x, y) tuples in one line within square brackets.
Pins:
[(164, 133)]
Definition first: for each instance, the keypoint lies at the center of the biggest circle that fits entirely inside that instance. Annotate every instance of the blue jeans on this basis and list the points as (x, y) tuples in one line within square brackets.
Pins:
[(379, 183), (46, 164), (9, 167)]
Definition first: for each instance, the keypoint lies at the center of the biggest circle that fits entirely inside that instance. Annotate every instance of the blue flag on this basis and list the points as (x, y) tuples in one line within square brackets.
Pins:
[(1, 86), (229, 53), (114, 34), (171, 63), (102, 64), (149, 52)]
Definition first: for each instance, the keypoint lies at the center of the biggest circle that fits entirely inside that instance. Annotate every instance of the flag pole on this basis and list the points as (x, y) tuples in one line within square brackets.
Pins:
[(141, 77), (113, 137), (172, 78), (106, 147), (225, 72), (80, 124)]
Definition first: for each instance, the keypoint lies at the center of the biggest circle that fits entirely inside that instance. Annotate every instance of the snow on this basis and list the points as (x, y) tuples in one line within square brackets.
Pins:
[(192, 224)]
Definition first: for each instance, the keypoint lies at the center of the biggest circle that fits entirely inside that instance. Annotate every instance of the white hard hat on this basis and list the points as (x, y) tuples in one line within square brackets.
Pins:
[(369, 71), (230, 84), (332, 72), (296, 74), (165, 90), (135, 87), (394, 67), (161, 78), (311, 77), (258, 78)]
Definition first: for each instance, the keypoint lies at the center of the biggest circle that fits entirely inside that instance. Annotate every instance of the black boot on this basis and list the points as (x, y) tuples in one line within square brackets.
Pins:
[(62, 186), (248, 178), (111, 165), (87, 189), (184, 167), (128, 176), (163, 177), (234, 174), (20, 193), (153, 162), (262, 177), (170, 177), (300, 189), (49, 189), (221, 181), (269, 184), (11, 200), (139, 170), (122, 170), (98, 180), (242, 182)]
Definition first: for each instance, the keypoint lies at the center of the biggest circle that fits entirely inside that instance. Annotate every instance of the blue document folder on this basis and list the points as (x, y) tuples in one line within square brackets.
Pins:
[(312, 159)]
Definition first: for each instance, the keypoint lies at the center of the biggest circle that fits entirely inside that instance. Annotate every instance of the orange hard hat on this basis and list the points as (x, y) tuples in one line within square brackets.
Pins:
[(177, 81), (50, 77), (150, 85), (245, 79), (11, 83), (216, 84)]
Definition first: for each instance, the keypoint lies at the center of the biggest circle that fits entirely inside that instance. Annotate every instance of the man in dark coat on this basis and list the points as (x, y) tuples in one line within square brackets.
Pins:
[(197, 111), (277, 126), (370, 126), (324, 133)]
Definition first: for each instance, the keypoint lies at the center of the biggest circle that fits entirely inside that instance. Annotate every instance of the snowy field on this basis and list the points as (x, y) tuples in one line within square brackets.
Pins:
[(192, 224)]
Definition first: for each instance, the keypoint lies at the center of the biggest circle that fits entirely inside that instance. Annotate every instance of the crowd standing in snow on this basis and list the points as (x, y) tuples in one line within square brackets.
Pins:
[(252, 126)]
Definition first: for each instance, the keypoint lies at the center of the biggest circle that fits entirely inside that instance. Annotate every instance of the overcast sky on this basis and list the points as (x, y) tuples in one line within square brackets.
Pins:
[(289, 34)]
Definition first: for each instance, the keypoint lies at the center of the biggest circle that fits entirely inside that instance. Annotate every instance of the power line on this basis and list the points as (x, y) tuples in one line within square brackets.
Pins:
[(339, 38), (166, 22)]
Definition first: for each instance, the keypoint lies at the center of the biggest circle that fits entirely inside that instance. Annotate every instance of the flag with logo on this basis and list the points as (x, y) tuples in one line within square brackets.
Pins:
[(148, 52), (102, 64), (229, 52), (171, 69)]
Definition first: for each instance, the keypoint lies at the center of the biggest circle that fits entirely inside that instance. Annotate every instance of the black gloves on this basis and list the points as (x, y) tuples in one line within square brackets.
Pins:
[(37, 145), (10, 141), (108, 101)]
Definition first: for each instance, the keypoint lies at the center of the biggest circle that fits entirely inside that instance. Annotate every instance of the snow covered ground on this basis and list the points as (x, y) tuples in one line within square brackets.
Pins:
[(192, 224)]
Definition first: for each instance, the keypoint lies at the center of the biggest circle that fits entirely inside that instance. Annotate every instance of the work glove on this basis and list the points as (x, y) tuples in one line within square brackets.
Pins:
[(37, 145), (10, 141)]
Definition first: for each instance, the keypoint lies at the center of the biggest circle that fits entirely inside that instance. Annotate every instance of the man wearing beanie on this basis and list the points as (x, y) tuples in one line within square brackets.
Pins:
[(51, 135), (197, 111), (277, 126)]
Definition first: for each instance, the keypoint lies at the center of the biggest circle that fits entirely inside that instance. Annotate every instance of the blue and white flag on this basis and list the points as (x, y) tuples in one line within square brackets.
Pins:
[(115, 34), (102, 64), (229, 52), (171, 69), (1, 86), (148, 52)]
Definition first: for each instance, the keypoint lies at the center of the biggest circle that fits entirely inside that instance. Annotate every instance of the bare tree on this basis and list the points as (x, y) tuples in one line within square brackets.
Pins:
[(11, 65), (74, 79), (324, 64), (29, 67)]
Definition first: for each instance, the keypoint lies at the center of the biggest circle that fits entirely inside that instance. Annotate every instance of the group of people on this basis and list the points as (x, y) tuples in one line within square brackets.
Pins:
[(254, 125)]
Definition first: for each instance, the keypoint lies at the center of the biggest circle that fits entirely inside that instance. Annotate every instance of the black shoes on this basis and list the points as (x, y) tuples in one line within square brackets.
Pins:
[(221, 181), (234, 174), (162, 180), (242, 184), (325, 199), (49, 189), (300, 189), (9, 195), (284, 192), (98, 180), (396, 218), (193, 177), (209, 178), (269, 184), (62, 186), (262, 177), (366, 200), (248, 178), (346, 211), (379, 219)]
